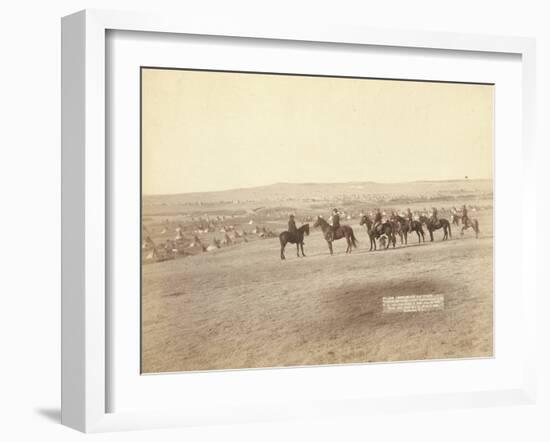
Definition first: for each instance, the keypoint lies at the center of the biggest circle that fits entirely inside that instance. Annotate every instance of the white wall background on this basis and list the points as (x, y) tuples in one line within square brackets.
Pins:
[(30, 220)]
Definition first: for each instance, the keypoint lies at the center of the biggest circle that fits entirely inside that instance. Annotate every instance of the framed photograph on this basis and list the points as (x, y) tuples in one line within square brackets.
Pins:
[(262, 222)]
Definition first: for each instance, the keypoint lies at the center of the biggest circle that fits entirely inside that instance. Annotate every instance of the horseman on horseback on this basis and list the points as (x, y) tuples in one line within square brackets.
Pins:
[(464, 215), (409, 215), (434, 219), (377, 220), (292, 229), (467, 222), (335, 223)]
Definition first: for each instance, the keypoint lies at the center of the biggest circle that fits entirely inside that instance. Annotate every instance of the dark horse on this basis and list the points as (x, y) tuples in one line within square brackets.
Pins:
[(403, 227), (441, 223), (467, 223), (383, 229), (297, 238), (343, 232)]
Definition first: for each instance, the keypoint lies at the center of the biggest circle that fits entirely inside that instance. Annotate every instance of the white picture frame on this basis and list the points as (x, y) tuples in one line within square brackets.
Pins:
[(85, 202)]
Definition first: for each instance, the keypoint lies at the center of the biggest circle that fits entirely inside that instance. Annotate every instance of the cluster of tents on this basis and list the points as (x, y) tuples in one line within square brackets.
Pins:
[(182, 245)]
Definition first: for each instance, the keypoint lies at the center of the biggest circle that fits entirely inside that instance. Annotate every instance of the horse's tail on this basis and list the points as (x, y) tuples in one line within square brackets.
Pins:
[(281, 240), (354, 240)]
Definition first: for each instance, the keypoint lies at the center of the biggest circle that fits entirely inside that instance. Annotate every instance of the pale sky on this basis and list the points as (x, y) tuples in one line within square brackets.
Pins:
[(206, 131)]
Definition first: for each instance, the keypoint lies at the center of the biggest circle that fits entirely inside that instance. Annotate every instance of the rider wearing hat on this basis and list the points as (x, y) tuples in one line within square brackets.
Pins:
[(377, 219), (292, 229), (335, 222)]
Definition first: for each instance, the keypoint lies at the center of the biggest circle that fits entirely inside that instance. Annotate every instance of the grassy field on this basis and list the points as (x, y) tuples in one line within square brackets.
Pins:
[(242, 307)]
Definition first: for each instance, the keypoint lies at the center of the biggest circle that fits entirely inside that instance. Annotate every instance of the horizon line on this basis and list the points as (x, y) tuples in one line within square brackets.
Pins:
[(310, 183)]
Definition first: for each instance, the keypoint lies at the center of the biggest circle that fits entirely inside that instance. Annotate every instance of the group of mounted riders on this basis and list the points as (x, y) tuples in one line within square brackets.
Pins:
[(335, 231), (379, 219), (378, 229), (295, 235)]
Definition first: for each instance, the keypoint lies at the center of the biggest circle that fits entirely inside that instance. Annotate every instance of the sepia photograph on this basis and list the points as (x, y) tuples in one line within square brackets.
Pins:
[(303, 220)]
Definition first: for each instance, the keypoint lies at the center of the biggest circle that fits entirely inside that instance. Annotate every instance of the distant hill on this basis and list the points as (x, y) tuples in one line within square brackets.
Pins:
[(331, 191)]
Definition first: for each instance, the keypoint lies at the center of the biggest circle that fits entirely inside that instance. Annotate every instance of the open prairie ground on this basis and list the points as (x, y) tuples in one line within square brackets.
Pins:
[(241, 306)]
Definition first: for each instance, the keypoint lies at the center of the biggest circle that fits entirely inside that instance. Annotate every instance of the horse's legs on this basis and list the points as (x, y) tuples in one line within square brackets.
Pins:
[(347, 243), (298, 249), (283, 251), (405, 237), (330, 246), (431, 234), (302, 247)]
